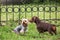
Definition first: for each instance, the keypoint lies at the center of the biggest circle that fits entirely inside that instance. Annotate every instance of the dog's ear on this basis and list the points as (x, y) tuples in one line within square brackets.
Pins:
[(37, 18), (34, 18)]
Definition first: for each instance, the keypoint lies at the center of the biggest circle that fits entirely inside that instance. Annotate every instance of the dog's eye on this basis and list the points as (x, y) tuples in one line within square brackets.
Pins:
[(25, 20)]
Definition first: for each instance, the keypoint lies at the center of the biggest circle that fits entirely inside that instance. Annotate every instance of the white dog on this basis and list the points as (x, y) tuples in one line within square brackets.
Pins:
[(22, 28)]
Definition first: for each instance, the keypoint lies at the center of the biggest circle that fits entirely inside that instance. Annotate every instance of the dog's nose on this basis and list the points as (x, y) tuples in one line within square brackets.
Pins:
[(26, 22)]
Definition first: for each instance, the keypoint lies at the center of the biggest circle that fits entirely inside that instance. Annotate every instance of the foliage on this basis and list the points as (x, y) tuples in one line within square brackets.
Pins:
[(30, 1)]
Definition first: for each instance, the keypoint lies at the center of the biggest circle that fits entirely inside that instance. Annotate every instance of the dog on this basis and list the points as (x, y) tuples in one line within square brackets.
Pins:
[(22, 28), (43, 26)]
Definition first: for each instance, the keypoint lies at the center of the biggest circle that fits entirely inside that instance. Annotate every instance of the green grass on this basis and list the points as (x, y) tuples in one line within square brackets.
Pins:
[(32, 34)]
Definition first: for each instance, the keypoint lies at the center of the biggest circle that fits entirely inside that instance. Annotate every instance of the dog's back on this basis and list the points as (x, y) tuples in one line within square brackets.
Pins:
[(43, 27)]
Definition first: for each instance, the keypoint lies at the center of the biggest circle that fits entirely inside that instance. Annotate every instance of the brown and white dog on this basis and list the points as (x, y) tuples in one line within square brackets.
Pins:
[(22, 28), (43, 26)]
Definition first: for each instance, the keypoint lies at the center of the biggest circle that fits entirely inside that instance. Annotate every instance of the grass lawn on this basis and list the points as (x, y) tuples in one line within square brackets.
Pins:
[(32, 34)]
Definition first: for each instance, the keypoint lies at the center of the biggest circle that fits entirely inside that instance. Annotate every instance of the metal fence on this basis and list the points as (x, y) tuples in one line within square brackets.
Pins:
[(13, 13)]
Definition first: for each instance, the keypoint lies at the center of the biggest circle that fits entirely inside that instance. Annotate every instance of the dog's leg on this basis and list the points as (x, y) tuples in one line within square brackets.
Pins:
[(50, 31), (54, 32), (41, 31), (40, 34)]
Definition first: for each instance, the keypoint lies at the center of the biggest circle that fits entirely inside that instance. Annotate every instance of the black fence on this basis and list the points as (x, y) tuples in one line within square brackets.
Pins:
[(14, 13)]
